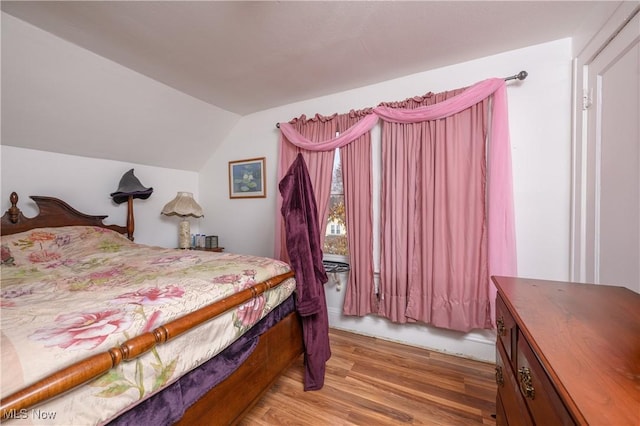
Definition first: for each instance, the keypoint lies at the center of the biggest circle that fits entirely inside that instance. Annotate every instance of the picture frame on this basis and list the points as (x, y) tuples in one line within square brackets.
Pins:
[(211, 241), (247, 178)]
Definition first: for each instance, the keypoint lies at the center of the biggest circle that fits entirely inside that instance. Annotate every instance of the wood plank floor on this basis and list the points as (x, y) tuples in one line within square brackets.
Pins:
[(375, 382)]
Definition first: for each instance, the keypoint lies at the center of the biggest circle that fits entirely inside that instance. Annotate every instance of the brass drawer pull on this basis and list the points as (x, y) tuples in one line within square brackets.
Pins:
[(502, 331), (499, 376), (525, 383)]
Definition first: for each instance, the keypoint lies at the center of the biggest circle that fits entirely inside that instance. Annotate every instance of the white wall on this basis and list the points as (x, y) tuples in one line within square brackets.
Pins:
[(85, 184), (540, 123), (59, 97)]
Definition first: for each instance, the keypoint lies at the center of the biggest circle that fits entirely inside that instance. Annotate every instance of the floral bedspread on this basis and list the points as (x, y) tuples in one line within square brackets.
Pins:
[(70, 292)]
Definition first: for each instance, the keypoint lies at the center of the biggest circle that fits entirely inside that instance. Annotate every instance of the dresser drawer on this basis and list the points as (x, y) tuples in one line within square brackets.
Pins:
[(513, 409), (506, 329), (541, 398)]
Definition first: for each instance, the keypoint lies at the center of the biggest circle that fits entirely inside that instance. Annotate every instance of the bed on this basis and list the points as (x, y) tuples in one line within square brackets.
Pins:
[(114, 332)]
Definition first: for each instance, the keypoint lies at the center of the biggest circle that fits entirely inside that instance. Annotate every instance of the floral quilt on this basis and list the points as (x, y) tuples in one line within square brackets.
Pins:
[(70, 292)]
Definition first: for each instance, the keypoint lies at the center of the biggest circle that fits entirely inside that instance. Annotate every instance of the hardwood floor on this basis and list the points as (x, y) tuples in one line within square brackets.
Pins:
[(375, 382)]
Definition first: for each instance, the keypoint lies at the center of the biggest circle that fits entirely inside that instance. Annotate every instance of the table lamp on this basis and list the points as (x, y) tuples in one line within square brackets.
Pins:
[(184, 206), (128, 189)]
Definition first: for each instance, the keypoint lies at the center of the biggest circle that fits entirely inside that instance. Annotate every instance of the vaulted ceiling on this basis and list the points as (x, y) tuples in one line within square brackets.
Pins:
[(248, 56)]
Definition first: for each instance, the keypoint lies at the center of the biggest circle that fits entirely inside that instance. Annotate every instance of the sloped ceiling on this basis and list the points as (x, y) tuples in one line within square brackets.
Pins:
[(243, 57)]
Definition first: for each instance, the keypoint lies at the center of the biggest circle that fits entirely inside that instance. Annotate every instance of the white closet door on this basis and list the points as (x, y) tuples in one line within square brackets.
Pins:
[(613, 161)]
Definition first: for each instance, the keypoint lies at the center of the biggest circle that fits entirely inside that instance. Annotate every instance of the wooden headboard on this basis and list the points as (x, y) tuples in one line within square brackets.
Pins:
[(53, 212)]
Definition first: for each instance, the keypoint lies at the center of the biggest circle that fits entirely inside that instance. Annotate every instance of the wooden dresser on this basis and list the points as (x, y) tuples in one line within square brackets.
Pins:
[(567, 353)]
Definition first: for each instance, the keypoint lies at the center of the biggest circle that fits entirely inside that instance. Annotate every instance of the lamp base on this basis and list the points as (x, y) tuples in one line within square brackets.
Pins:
[(184, 235)]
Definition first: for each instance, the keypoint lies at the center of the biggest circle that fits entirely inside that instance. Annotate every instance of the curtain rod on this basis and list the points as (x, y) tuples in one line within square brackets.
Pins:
[(520, 76)]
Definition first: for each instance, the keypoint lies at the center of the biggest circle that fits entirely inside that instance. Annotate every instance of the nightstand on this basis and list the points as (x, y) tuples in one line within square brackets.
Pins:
[(216, 249)]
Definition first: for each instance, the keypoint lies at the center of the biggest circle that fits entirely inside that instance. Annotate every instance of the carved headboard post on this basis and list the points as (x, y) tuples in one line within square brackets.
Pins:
[(13, 211), (130, 219), (129, 188)]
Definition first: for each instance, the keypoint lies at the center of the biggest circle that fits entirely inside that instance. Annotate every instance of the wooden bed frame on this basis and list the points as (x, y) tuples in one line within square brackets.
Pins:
[(277, 349)]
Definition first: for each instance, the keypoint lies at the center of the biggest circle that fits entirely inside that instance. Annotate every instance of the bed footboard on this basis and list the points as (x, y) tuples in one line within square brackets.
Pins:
[(231, 399)]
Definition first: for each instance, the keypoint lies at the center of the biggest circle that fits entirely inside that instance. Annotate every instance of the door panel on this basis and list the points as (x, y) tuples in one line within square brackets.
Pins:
[(613, 170)]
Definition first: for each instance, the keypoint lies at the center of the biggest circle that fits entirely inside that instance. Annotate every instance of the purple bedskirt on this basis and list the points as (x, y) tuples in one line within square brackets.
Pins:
[(169, 405)]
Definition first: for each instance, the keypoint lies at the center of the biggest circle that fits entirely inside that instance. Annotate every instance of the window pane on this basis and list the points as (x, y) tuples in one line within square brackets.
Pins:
[(336, 237), (336, 233)]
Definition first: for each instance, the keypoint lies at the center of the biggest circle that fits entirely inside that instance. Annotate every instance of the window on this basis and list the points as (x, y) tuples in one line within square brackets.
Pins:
[(335, 242), (335, 229)]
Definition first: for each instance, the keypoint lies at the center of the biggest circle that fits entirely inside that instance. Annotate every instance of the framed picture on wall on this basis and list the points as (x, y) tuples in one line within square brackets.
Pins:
[(246, 178)]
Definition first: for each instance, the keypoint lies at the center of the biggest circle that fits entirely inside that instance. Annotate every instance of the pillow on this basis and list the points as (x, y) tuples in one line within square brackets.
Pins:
[(42, 247)]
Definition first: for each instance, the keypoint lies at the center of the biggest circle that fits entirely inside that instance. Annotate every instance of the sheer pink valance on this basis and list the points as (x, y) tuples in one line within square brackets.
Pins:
[(471, 96), (346, 137)]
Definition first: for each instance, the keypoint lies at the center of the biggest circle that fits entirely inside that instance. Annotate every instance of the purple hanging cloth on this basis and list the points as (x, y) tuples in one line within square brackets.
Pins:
[(305, 253)]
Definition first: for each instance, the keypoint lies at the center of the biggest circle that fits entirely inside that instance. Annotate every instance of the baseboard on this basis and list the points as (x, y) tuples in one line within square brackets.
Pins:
[(478, 345)]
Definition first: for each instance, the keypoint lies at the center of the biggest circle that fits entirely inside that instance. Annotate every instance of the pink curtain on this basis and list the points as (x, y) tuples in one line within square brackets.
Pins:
[(500, 215), (360, 298), (434, 242), (355, 127), (499, 222), (319, 164)]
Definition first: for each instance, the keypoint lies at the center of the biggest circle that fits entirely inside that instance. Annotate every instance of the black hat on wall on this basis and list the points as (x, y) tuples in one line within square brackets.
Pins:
[(130, 186)]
